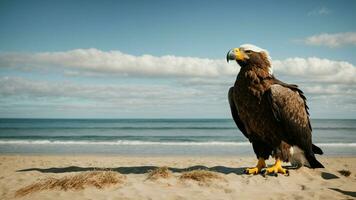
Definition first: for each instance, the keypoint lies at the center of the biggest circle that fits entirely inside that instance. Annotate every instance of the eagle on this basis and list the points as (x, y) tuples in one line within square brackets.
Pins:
[(273, 115)]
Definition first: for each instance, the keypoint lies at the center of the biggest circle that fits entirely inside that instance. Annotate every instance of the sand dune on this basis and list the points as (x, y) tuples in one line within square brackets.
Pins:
[(143, 179)]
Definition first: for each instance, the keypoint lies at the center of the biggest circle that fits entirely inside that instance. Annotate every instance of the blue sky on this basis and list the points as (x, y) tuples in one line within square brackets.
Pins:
[(201, 30), (172, 27)]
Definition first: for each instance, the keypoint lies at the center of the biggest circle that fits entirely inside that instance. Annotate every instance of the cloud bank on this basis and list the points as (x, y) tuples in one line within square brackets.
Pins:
[(96, 62), (197, 85), (118, 95), (317, 69), (332, 40)]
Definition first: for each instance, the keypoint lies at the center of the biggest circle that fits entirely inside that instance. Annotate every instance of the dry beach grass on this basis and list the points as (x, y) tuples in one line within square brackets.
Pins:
[(98, 179), (161, 172), (201, 176)]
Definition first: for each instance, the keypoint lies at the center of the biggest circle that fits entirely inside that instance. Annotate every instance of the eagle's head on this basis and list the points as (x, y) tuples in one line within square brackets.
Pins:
[(250, 55)]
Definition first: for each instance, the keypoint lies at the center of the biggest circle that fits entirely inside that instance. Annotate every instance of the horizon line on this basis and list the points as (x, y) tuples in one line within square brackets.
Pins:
[(154, 118)]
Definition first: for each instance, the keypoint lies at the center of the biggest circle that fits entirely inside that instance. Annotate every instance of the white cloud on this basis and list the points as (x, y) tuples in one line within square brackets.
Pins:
[(332, 40), (317, 70), (21, 95), (107, 95), (17, 86), (192, 97), (332, 89), (93, 62), (320, 11)]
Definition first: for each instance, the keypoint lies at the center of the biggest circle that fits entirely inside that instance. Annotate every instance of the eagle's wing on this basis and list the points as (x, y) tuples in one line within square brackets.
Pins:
[(289, 107), (234, 112)]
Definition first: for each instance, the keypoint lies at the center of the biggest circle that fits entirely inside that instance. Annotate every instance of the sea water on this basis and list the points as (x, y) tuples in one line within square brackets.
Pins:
[(196, 137)]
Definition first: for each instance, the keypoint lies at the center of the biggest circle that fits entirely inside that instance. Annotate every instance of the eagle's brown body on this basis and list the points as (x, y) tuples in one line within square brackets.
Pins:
[(253, 106), (273, 115)]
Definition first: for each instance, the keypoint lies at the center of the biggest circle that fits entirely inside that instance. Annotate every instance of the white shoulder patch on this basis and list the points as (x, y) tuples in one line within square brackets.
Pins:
[(255, 48)]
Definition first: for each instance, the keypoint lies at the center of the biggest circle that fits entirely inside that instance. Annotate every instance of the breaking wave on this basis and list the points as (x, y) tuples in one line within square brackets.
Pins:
[(135, 142)]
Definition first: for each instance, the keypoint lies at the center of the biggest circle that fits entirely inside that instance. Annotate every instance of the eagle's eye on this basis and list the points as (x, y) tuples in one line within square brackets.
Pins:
[(248, 51)]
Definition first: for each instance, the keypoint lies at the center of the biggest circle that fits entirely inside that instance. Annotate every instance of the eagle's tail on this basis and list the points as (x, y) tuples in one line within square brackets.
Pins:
[(317, 150), (299, 157), (313, 162)]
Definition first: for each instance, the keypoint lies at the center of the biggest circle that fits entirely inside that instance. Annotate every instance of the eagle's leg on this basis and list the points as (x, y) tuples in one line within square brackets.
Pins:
[(276, 168), (256, 170)]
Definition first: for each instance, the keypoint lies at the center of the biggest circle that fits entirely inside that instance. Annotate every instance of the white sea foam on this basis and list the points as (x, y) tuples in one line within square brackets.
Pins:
[(136, 142), (336, 144), (123, 142)]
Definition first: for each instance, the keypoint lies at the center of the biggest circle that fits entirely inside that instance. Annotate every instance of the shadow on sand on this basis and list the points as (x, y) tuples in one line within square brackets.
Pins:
[(136, 169), (141, 169), (349, 193)]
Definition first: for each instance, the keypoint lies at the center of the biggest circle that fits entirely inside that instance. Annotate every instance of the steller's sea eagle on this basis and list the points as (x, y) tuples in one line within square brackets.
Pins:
[(272, 114)]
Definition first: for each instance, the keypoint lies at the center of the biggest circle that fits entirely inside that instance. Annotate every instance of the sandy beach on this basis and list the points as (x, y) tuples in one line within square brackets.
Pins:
[(18, 171)]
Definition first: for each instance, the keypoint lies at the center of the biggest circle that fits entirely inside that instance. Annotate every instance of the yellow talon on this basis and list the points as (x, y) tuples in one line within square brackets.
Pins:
[(255, 170), (276, 168)]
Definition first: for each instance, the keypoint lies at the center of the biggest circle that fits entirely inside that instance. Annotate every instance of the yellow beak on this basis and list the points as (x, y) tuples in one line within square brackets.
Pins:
[(235, 54)]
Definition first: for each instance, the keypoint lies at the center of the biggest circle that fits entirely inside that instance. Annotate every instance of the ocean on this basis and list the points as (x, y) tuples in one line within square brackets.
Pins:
[(195, 137)]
